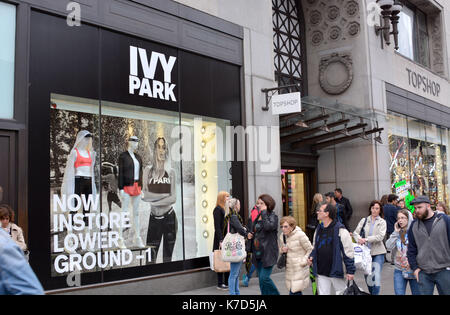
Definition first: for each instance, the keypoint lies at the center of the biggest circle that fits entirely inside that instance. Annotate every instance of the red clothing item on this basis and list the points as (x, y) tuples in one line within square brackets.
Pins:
[(83, 161), (254, 214)]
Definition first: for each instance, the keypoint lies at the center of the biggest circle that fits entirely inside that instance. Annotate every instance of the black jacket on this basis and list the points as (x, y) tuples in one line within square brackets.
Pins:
[(126, 170), (348, 210), (236, 225), (267, 234), (219, 218)]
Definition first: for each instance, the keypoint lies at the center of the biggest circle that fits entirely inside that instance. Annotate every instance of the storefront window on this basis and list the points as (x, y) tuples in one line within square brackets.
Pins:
[(131, 224), (419, 158), (399, 152), (7, 53)]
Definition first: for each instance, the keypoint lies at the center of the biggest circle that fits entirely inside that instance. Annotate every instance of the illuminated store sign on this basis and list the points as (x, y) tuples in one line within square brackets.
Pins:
[(149, 86)]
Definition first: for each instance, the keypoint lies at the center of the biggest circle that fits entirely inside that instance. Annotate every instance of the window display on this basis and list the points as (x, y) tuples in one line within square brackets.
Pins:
[(119, 196), (419, 157)]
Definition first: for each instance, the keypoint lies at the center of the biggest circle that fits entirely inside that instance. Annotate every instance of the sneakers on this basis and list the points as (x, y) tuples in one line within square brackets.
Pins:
[(245, 280), (222, 287)]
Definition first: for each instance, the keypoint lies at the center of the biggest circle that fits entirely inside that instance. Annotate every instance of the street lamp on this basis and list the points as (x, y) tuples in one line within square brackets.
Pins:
[(391, 15), (385, 6), (395, 17)]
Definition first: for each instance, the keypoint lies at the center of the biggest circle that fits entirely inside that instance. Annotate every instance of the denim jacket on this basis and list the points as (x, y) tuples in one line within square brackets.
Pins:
[(16, 275)]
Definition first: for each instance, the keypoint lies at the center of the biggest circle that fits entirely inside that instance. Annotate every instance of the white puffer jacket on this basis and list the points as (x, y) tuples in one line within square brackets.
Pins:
[(297, 269)]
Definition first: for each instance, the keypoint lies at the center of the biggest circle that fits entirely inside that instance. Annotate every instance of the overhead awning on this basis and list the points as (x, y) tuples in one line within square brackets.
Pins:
[(325, 122)]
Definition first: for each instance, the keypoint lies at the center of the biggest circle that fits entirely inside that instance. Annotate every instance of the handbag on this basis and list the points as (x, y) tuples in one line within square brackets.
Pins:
[(353, 289), (233, 247), (219, 264), (363, 232), (281, 263), (134, 190)]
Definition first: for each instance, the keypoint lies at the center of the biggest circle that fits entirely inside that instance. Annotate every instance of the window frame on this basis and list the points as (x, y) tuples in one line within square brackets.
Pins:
[(416, 35)]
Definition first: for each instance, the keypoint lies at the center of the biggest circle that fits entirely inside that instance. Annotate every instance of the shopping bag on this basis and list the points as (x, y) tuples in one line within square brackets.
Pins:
[(219, 264), (363, 259), (352, 289), (233, 247)]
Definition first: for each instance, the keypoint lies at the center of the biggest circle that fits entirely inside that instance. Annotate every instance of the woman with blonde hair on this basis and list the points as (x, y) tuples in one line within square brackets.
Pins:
[(219, 218), (297, 246), (233, 224)]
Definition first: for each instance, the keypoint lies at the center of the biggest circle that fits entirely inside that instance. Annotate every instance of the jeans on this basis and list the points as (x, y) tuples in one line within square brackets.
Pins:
[(233, 280), (266, 284), (400, 284), (373, 280), (441, 279)]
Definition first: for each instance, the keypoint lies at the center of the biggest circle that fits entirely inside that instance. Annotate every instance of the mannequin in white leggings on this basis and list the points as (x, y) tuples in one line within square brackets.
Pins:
[(130, 184)]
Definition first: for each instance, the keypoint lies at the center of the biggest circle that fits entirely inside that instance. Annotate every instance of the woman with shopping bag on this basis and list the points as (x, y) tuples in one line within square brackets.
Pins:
[(297, 247), (219, 217), (233, 245), (371, 232)]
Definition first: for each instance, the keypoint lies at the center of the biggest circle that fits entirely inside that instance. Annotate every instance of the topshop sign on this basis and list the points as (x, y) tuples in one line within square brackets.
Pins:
[(423, 83), (150, 63)]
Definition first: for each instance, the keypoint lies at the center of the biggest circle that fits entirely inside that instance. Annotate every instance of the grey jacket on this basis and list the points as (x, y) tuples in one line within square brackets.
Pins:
[(429, 252)]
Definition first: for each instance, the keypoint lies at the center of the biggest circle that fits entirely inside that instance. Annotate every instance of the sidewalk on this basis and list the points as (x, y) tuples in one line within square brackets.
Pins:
[(387, 284)]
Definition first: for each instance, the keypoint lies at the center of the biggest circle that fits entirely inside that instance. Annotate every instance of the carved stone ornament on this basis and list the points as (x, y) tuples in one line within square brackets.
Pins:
[(336, 73)]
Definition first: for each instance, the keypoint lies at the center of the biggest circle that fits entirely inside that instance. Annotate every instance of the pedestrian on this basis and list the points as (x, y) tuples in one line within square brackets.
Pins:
[(16, 233), (16, 275), (312, 218), (340, 215), (442, 208), (340, 199), (265, 251), (429, 248), (233, 224), (399, 239), (332, 249), (371, 231), (249, 266), (298, 248), (390, 212), (219, 218)]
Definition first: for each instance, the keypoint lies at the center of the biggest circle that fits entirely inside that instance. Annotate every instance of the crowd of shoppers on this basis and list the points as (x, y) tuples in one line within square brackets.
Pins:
[(419, 244)]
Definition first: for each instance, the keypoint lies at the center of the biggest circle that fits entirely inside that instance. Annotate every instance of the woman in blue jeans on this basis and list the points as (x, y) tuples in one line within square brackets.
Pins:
[(399, 240), (370, 232), (265, 248), (233, 224)]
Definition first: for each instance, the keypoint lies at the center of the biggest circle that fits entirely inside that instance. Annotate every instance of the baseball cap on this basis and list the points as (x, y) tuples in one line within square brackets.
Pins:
[(420, 199)]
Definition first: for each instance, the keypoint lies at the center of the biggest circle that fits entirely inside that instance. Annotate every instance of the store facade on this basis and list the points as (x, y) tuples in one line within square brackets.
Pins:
[(121, 138)]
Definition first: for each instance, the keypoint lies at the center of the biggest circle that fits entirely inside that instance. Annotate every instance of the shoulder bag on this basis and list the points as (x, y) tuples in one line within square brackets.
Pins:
[(233, 247), (281, 263)]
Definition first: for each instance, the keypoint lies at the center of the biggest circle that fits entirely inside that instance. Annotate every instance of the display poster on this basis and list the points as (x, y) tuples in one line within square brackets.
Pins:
[(119, 194)]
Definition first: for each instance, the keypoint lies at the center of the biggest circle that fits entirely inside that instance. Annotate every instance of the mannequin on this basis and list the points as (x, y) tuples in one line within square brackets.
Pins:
[(130, 185), (79, 176), (159, 191)]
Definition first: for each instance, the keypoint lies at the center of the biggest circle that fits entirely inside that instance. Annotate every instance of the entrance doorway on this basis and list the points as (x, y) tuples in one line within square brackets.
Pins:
[(296, 190)]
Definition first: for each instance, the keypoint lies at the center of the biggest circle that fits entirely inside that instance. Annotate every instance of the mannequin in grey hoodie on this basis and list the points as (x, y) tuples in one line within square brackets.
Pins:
[(399, 241)]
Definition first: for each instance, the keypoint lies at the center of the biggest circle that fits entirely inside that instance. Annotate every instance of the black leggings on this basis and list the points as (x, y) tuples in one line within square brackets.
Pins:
[(167, 226), (83, 186)]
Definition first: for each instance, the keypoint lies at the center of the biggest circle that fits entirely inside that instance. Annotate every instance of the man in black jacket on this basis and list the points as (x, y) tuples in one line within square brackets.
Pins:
[(348, 210)]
